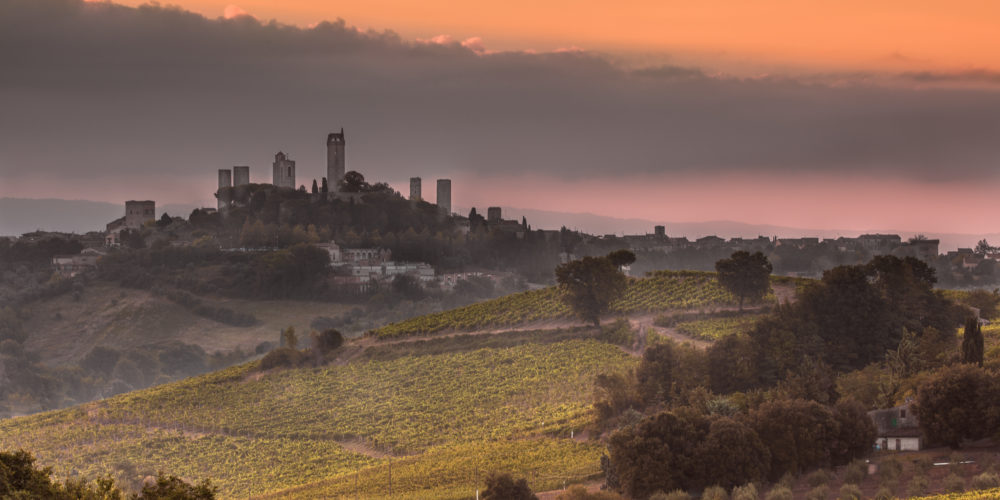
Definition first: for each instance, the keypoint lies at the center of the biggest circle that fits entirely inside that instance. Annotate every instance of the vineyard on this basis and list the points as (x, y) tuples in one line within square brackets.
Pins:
[(991, 494), (663, 290), (716, 328), (507, 408)]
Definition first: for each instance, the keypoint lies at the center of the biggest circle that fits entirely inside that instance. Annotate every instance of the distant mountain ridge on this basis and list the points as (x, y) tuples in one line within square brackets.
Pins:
[(23, 215)]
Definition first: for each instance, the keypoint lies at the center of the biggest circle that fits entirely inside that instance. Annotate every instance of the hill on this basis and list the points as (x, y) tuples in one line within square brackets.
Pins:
[(441, 420), (661, 291)]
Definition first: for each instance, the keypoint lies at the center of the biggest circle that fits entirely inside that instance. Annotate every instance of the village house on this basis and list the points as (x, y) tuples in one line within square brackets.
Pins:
[(897, 429)]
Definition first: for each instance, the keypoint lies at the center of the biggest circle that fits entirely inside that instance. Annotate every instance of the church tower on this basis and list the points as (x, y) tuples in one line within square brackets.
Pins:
[(335, 162)]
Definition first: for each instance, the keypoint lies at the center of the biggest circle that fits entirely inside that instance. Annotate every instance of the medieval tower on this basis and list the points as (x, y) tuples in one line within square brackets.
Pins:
[(241, 175), (335, 161), (283, 171), (225, 181), (444, 195), (415, 189)]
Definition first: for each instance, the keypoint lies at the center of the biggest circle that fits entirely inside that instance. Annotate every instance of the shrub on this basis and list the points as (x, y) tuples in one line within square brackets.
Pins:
[(986, 481), (580, 493), (954, 483), (856, 472), (673, 495), (779, 493), (918, 486), (715, 493), (818, 493), (746, 492), (619, 333), (923, 464), (818, 477), (955, 463), (504, 487), (884, 493), (850, 491), (787, 480), (889, 469), (281, 357)]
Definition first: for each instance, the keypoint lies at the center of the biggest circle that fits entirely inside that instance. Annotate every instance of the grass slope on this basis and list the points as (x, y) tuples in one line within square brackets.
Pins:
[(449, 418), (663, 290), (65, 330)]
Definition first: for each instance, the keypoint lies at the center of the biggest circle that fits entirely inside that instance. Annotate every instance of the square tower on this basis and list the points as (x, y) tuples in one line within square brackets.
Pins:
[(225, 181), (138, 213), (283, 171), (336, 164), (415, 189), (493, 214), (444, 195), (241, 176)]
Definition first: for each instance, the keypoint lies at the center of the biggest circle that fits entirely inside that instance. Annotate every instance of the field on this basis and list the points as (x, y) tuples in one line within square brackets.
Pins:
[(442, 420), (66, 330), (712, 329), (991, 494), (664, 290)]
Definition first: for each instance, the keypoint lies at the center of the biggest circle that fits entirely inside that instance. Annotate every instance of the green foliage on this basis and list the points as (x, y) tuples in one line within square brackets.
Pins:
[(884, 493), (918, 485), (953, 483), (818, 477), (746, 492), (589, 285), (779, 493), (282, 357), (673, 495), (713, 329), (850, 491), (173, 488), (818, 493), (958, 403), (661, 291), (580, 493), (281, 429), (798, 433), (504, 487), (986, 481), (619, 333), (745, 275), (972, 342), (715, 493), (856, 472)]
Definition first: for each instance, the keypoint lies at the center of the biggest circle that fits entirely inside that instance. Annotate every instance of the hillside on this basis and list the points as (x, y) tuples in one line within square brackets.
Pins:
[(662, 291), (441, 420), (66, 329)]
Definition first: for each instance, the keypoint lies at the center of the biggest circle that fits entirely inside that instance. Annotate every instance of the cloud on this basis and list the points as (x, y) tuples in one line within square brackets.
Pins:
[(96, 92), (232, 11)]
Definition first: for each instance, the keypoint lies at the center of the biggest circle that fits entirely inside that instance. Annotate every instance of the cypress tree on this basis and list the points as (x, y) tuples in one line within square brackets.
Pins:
[(972, 342)]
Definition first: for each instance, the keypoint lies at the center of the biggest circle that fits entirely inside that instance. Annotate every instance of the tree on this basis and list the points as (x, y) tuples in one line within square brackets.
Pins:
[(798, 434), (325, 188), (621, 258), (329, 340), (288, 338), (957, 403), (855, 432), (590, 284), (173, 488), (984, 248), (504, 487), (732, 454), (315, 187), (972, 342), (745, 275), (655, 373), (659, 453)]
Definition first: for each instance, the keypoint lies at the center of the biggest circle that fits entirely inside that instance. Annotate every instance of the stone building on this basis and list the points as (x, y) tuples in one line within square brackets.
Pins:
[(494, 215), (283, 171), (241, 175), (897, 429), (138, 213), (336, 163), (444, 195), (415, 189), (225, 181)]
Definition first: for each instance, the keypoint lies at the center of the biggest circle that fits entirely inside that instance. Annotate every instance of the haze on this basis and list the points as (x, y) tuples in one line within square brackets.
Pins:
[(840, 117)]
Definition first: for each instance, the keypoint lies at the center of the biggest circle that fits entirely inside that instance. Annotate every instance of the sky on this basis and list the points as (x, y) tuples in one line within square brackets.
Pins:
[(850, 115)]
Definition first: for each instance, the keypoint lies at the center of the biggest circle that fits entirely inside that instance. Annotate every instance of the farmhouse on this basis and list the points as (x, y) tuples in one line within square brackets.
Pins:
[(898, 429)]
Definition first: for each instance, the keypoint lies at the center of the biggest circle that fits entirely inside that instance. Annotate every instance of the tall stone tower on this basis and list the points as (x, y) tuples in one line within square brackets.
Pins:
[(335, 162), (138, 213), (283, 171), (444, 195), (241, 176), (225, 181), (415, 189)]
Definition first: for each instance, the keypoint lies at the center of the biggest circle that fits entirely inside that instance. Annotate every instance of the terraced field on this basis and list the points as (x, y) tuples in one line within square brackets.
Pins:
[(442, 420), (664, 290)]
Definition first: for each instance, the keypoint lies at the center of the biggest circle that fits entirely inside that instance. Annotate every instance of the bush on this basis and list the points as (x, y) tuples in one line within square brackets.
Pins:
[(986, 481), (329, 340), (779, 493), (923, 464), (856, 472), (850, 491), (918, 486), (281, 357), (580, 493), (745, 492), (817, 477), (954, 483), (818, 493), (504, 487), (618, 333), (889, 469), (715, 493), (884, 493), (673, 495)]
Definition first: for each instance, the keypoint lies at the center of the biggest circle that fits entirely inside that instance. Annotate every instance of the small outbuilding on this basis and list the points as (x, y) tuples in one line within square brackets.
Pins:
[(898, 429)]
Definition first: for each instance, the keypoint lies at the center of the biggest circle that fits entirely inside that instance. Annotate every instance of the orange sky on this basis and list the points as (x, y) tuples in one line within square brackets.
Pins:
[(730, 35)]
